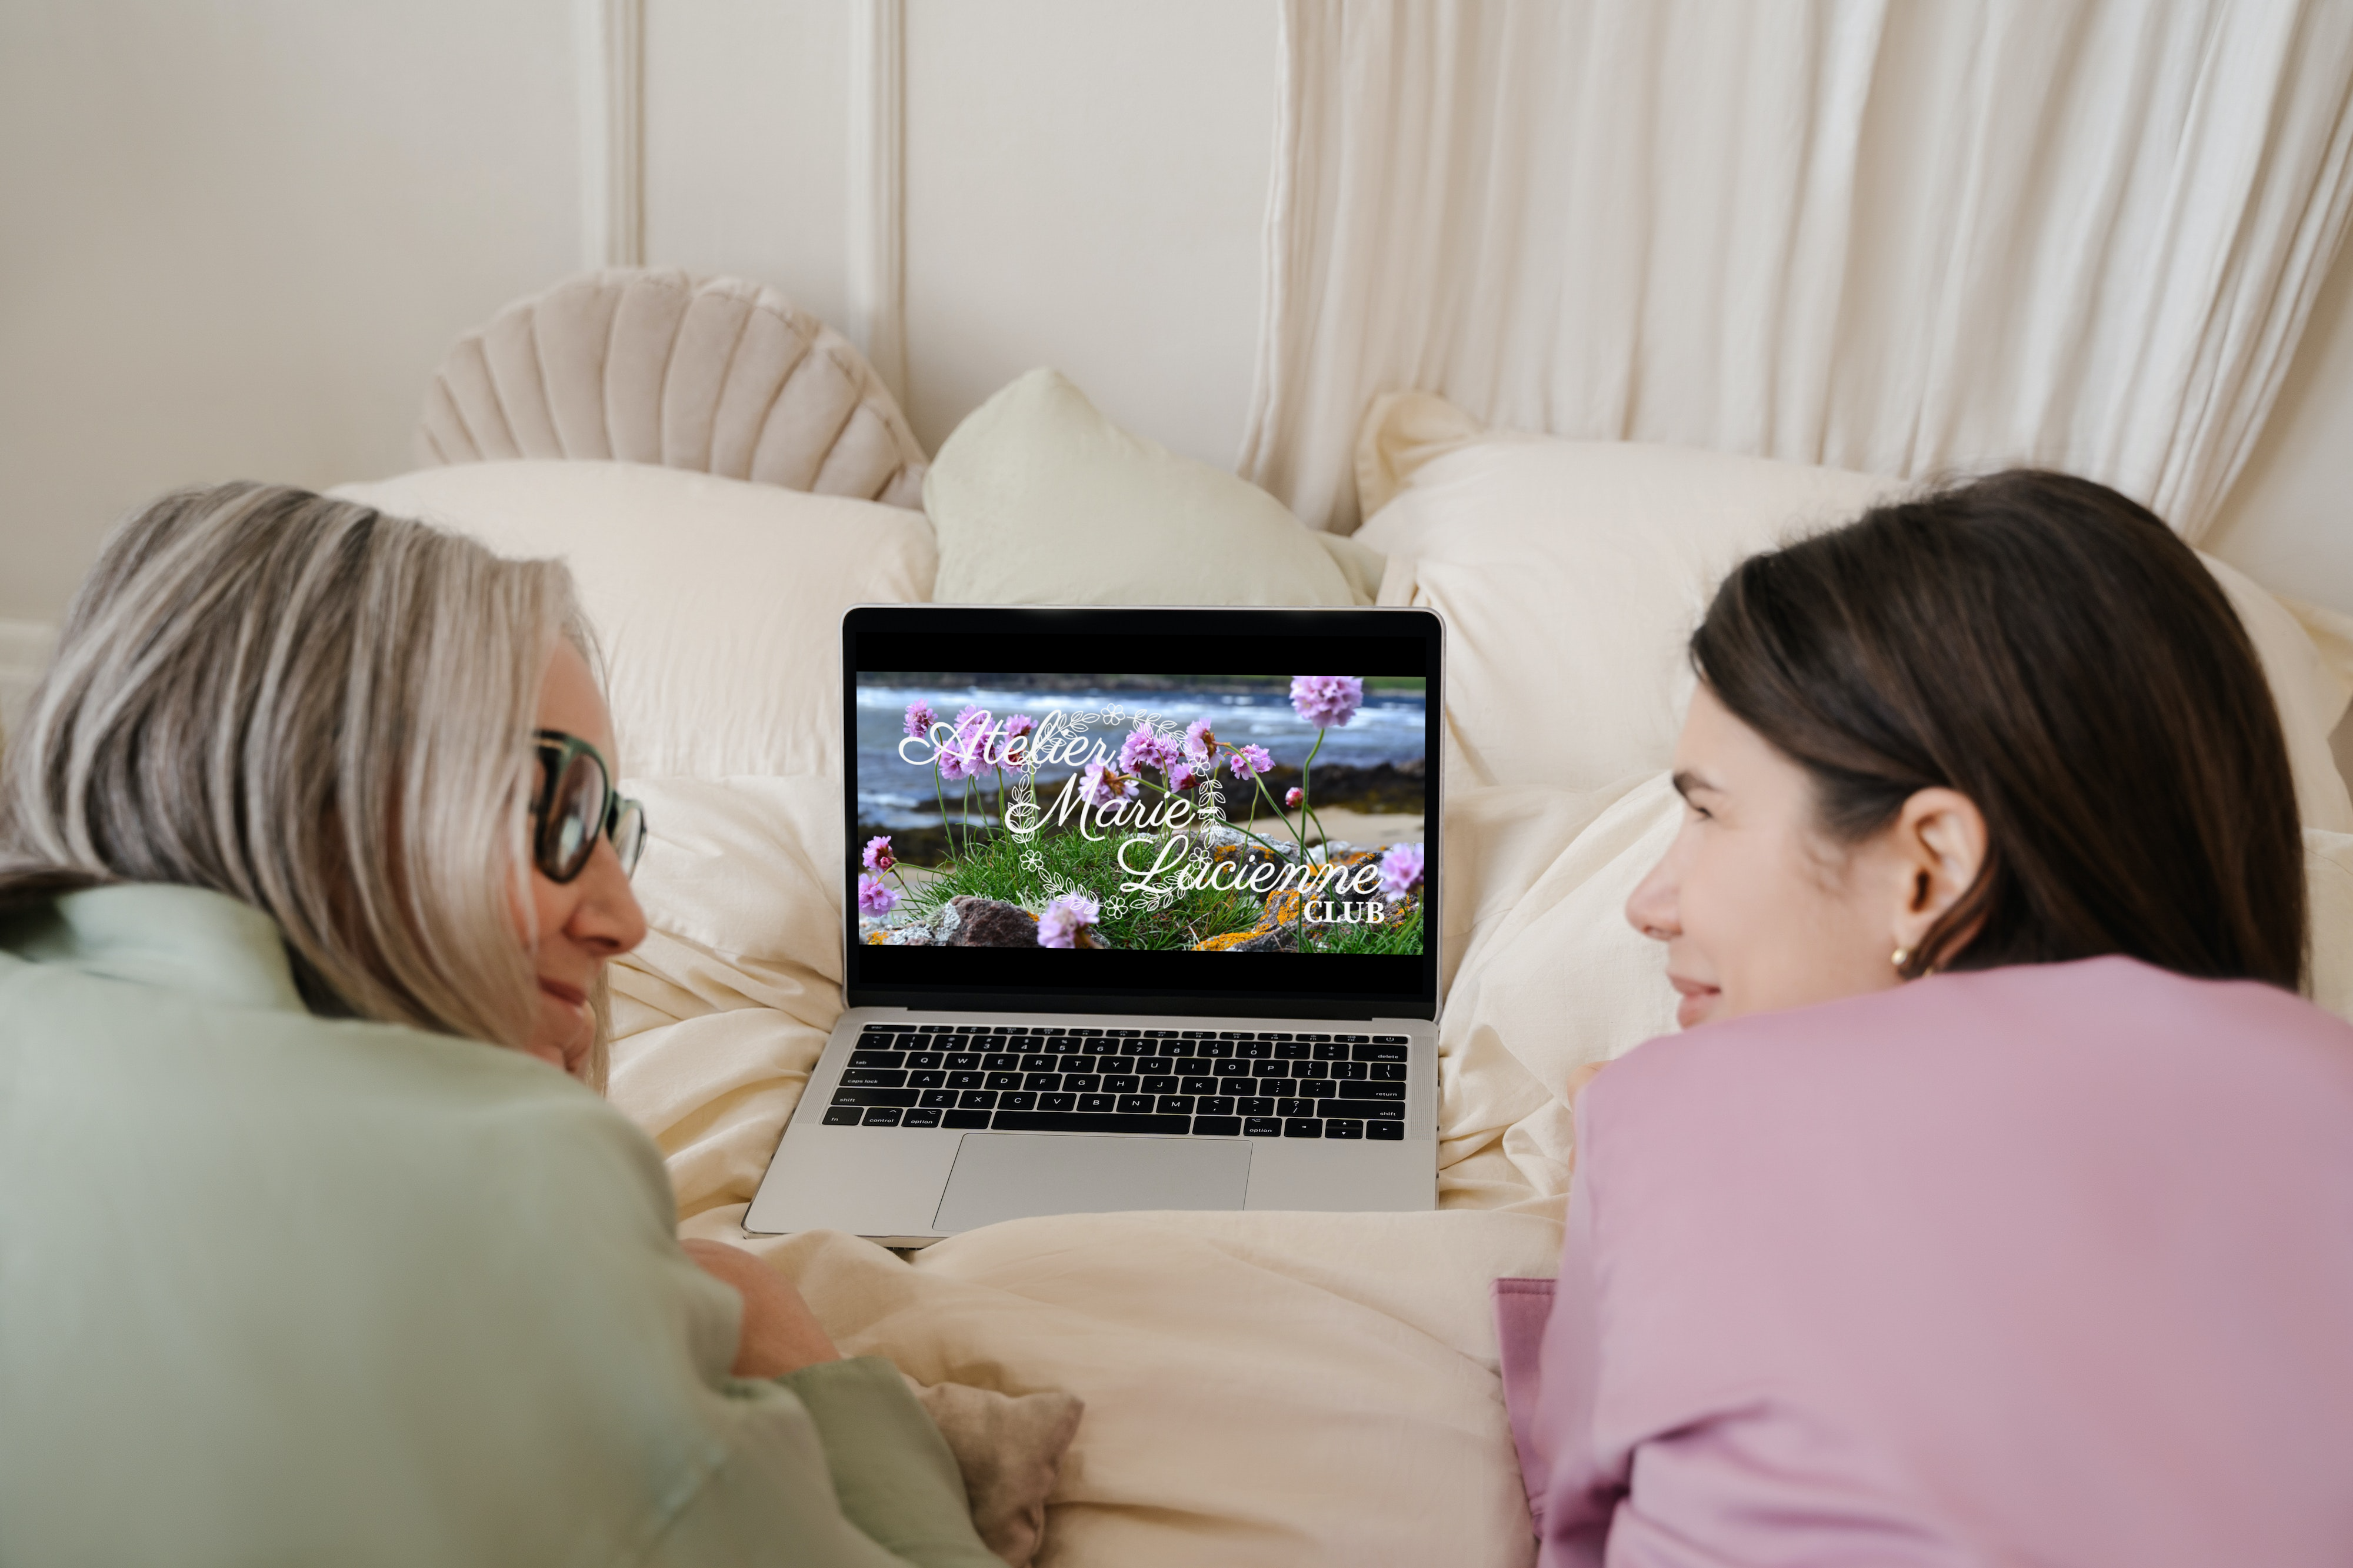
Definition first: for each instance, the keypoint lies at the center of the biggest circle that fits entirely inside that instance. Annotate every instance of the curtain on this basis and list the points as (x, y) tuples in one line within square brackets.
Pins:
[(1903, 237)]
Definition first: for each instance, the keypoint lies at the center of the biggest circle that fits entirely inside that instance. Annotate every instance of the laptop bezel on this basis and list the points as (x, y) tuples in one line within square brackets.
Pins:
[(980, 621)]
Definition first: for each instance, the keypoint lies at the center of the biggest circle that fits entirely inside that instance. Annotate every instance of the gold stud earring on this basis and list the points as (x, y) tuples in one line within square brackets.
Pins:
[(1900, 957)]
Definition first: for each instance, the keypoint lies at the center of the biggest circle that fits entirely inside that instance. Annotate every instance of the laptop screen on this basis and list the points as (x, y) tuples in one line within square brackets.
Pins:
[(1188, 811)]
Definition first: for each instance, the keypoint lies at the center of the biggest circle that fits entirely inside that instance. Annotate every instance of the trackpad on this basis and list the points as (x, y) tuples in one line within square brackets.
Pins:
[(1013, 1176)]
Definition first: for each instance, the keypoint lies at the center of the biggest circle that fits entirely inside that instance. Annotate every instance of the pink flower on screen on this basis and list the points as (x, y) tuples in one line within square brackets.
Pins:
[(1020, 725), (1145, 748), (1182, 776), (968, 712), (966, 752), (1017, 729), (920, 718), (1065, 917), (1295, 795), (1101, 784), (1326, 701), (1248, 762), (878, 856), (1200, 740), (873, 897), (1400, 870)]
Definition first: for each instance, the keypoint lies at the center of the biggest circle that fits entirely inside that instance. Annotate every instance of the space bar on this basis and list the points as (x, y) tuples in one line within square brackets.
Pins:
[(1087, 1121)]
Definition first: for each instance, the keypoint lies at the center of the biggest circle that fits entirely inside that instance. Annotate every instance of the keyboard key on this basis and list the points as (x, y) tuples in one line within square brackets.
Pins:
[(1341, 1128), (1114, 1064), (1126, 1034), (1004, 1080), (1377, 1090), (1385, 1131), (1160, 1033), (1262, 1127), (1391, 1040), (1314, 1037), (1233, 1033), (1217, 1127), (976, 1100), (1318, 1089), (1042, 1063), (893, 1028), (864, 1096), (927, 1059), (1058, 1102), (1197, 1086), (1310, 1070), (1019, 1099), (921, 1119), (1089, 1032), (843, 1116), (1237, 1086), (1135, 1104), (865, 1059), (1382, 1053), (968, 1080), (1001, 1061), (1294, 1050), (938, 1028), (963, 1061), (1353, 1072), (1270, 1069), (1084, 1121), (1365, 1110), (873, 1078), (1357, 1039), (1042, 1079), (1098, 1103), (939, 1099), (1213, 1105), (1255, 1105), (1122, 1083), (1331, 1051), (1292, 1108), (968, 1118), (1252, 1051), (1388, 1073), (1063, 1047), (885, 1116), (1215, 1050), (1302, 1127), (1083, 1082), (927, 1079), (1171, 1104)]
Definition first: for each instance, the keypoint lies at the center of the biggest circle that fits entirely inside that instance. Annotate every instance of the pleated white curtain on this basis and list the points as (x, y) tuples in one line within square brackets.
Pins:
[(1905, 236)]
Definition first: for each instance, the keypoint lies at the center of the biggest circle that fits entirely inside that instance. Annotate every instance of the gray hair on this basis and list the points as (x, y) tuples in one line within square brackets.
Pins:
[(320, 711)]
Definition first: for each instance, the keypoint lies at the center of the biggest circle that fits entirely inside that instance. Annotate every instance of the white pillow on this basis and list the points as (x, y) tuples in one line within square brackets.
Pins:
[(718, 602), (1571, 575), (1039, 500)]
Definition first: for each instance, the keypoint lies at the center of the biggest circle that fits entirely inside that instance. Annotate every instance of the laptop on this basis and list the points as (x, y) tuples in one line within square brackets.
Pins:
[(1141, 911)]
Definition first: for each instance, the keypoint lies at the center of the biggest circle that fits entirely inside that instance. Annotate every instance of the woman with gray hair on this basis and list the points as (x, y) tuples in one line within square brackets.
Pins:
[(309, 845)]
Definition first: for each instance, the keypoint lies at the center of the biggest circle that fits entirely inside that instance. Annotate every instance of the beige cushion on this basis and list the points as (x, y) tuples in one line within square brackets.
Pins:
[(1039, 500), (717, 603), (1572, 573), (1009, 1447), (720, 376)]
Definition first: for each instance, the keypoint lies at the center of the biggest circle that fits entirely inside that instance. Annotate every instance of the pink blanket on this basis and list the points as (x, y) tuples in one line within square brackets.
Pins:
[(2048, 1264)]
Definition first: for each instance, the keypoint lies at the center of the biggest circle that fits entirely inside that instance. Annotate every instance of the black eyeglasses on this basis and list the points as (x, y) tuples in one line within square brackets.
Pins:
[(574, 805)]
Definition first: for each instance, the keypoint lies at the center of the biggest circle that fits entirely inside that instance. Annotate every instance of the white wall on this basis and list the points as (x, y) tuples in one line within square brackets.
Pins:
[(235, 238)]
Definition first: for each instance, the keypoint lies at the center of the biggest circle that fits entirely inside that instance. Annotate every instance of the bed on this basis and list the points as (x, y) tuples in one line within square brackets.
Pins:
[(1260, 1388)]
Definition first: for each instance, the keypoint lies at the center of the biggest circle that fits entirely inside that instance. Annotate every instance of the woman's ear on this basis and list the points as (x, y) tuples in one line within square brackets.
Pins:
[(1939, 839)]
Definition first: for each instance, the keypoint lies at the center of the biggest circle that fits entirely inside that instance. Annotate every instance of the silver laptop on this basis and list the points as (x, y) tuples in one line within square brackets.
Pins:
[(1137, 916)]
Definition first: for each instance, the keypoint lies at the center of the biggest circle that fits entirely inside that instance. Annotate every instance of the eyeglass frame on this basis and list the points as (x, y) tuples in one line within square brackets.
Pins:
[(565, 747)]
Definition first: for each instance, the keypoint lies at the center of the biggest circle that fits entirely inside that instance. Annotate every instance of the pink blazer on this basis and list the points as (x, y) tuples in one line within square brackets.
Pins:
[(2044, 1265)]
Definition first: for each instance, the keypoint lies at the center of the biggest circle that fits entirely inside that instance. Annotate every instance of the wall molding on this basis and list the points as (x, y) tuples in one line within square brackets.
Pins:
[(611, 39), (23, 654), (877, 190)]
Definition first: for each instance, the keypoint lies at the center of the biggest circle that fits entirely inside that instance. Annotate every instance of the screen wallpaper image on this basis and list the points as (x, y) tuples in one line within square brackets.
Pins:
[(1216, 814)]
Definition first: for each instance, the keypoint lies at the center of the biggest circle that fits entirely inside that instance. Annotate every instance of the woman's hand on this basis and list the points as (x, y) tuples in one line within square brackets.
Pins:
[(780, 1333)]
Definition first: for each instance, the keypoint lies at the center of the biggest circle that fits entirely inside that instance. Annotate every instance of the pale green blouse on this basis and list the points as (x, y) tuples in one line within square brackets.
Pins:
[(276, 1289)]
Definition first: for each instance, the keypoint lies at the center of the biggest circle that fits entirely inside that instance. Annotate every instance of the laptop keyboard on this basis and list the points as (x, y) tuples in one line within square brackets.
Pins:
[(1222, 1083)]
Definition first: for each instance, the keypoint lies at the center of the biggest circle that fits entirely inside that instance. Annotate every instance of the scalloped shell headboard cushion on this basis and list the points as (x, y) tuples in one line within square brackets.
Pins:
[(719, 374)]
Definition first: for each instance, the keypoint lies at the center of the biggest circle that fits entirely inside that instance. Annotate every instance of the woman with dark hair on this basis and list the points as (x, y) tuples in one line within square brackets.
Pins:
[(1997, 1206)]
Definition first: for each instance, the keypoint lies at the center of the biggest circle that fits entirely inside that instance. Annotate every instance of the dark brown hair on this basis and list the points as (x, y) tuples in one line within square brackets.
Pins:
[(2050, 649)]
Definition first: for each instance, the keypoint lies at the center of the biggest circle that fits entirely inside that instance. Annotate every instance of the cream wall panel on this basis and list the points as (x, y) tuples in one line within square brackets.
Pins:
[(1086, 185), (237, 238), (2288, 522), (746, 149)]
